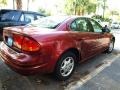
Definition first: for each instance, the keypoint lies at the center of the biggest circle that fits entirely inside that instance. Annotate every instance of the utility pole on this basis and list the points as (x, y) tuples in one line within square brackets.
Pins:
[(74, 4)]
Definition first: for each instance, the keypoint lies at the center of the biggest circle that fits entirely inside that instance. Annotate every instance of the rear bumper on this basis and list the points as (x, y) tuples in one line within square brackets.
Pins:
[(19, 62)]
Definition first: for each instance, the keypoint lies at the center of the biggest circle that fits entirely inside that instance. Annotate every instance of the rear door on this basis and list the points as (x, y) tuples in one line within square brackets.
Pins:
[(85, 36)]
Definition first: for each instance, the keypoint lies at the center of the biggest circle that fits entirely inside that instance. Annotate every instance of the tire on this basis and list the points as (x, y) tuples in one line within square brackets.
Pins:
[(110, 47), (65, 66)]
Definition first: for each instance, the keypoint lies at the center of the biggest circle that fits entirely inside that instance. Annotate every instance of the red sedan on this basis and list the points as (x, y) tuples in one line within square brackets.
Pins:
[(54, 44)]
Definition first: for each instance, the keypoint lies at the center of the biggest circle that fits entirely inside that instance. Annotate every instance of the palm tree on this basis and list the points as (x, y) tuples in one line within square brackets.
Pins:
[(102, 4), (79, 7), (19, 4), (114, 12), (104, 7), (13, 4), (91, 8), (28, 2)]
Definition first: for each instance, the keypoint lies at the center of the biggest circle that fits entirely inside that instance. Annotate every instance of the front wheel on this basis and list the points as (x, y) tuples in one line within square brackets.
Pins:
[(110, 47), (65, 66)]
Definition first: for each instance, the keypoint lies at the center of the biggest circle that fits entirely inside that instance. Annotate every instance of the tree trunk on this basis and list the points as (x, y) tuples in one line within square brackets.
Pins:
[(78, 11), (13, 4), (28, 1), (82, 13), (19, 4)]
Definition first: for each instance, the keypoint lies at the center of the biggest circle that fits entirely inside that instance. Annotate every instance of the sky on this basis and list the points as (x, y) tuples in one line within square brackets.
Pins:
[(52, 4), (114, 4)]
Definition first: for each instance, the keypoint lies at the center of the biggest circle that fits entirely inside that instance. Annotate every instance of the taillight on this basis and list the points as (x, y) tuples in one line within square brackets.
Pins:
[(29, 44), (17, 40), (25, 43)]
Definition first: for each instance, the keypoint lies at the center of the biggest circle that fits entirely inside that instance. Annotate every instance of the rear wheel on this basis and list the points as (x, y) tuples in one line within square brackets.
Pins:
[(65, 66)]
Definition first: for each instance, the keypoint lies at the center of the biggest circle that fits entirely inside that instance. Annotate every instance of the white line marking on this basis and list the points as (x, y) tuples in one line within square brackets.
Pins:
[(78, 84)]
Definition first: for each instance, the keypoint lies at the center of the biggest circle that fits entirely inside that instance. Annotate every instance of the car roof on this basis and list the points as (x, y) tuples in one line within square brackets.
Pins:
[(23, 11), (69, 16)]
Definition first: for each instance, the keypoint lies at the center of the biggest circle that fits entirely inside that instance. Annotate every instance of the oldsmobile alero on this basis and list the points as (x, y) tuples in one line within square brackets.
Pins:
[(54, 44)]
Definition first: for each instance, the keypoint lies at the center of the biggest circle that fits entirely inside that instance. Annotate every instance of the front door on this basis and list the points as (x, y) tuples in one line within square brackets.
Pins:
[(103, 37), (85, 37)]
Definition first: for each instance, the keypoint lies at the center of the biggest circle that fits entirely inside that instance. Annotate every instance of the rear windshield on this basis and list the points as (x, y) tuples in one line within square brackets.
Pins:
[(9, 15), (48, 22)]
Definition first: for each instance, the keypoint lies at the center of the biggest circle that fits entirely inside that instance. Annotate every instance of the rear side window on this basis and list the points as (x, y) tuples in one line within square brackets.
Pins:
[(81, 25)]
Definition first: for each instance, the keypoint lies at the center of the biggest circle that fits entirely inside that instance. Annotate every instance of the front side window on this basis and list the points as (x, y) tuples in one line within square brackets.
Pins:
[(97, 28), (80, 25)]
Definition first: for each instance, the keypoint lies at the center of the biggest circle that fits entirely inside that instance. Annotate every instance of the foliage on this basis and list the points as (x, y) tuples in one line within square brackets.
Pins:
[(114, 12), (69, 6), (102, 4), (43, 11), (99, 17), (3, 2), (79, 7), (91, 8)]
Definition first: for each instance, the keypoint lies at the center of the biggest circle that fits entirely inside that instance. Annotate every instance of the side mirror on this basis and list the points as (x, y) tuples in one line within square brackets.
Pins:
[(105, 29)]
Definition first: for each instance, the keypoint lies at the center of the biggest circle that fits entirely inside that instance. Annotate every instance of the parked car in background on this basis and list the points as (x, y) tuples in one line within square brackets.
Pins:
[(115, 25), (16, 18), (54, 44)]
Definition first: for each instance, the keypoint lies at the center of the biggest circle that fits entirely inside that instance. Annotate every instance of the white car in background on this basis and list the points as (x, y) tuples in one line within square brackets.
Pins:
[(115, 25)]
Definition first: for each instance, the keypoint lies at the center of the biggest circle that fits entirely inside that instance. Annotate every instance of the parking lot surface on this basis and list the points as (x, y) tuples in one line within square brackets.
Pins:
[(98, 73)]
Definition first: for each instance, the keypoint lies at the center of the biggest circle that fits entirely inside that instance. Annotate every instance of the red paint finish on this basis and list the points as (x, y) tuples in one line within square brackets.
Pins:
[(51, 43)]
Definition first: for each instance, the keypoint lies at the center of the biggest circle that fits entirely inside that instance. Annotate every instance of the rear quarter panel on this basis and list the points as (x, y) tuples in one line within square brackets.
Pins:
[(54, 45)]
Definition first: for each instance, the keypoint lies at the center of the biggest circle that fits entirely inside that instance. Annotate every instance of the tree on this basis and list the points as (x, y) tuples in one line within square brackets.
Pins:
[(91, 8), (69, 6), (104, 7), (113, 12), (19, 4), (102, 4), (79, 7), (43, 11), (28, 2), (13, 4), (3, 2)]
